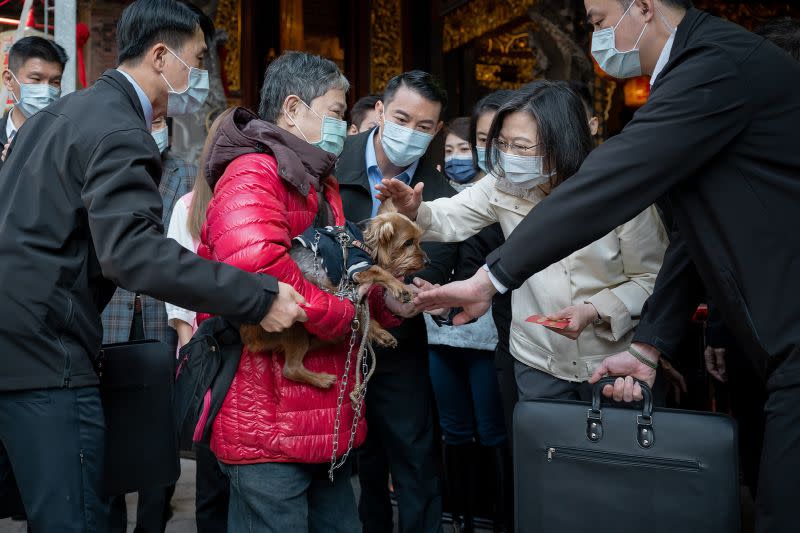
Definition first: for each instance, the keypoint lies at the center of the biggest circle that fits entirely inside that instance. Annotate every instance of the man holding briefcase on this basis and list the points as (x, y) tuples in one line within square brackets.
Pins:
[(80, 213), (716, 145)]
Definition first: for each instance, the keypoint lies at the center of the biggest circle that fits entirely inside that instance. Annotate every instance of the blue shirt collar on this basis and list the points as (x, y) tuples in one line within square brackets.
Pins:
[(147, 107), (372, 161)]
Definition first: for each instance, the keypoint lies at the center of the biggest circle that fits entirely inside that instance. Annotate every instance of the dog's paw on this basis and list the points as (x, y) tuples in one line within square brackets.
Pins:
[(384, 339), (323, 380), (402, 294)]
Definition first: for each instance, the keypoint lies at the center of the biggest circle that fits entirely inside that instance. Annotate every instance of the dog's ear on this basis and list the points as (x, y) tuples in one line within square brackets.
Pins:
[(385, 231)]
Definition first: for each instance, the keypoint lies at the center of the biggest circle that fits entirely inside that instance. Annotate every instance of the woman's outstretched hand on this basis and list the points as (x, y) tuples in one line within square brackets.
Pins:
[(473, 295), (405, 199)]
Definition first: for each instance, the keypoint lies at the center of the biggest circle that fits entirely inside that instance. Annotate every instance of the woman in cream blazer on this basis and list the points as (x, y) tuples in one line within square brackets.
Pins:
[(539, 138)]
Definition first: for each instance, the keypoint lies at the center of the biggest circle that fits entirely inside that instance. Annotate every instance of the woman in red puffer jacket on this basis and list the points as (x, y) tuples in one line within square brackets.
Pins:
[(271, 180)]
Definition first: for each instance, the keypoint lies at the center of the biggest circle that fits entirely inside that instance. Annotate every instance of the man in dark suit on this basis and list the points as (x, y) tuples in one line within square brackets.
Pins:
[(80, 214), (400, 403), (33, 79), (717, 145)]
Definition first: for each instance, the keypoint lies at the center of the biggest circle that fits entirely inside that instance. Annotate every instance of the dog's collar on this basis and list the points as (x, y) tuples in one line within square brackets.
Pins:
[(362, 246)]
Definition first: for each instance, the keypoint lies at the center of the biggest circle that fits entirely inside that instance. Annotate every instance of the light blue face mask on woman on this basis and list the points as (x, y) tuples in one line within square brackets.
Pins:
[(161, 137), (613, 62), (481, 150), (333, 134)]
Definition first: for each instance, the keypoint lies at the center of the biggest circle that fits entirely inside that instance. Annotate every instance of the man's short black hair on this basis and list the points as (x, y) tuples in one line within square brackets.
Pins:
[(363, 106), (35, 48), (784, 32), (421, 83), (147, 22)]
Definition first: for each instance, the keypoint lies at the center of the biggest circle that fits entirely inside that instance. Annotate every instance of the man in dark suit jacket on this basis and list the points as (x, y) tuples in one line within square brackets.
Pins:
[(717, 143), (400, 402), (80, 213), (33, 81)]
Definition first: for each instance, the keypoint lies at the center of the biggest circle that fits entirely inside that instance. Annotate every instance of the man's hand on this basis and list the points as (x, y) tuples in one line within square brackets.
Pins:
[(715, 363), (285, 310), (625, 364), (405, 199), (474, 295), (579, 317)]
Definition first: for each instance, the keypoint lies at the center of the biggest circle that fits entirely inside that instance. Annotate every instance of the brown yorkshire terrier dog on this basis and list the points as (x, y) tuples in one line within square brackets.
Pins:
[(393, 242)]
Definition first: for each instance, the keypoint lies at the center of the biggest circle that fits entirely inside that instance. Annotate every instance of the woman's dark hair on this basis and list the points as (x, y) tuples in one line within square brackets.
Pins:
[(460, 128), (563, 132), (147, 22), (35, 47), (488, 104)]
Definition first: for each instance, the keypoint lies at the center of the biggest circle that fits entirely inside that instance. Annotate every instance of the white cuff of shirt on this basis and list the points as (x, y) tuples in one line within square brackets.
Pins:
[(502, 289)]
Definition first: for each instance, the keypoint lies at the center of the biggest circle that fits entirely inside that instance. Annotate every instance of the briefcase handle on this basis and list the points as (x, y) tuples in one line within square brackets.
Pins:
[(645, 434)]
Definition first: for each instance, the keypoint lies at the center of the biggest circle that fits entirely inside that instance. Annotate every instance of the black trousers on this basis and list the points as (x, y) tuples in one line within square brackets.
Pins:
[(779, 478), (213, 493), (53, 441), (400, 418)]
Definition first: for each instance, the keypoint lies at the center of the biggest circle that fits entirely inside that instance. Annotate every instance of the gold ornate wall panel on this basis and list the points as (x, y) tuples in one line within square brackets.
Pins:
[(228, 18), (479, 17), (386, 42), (505, 60)]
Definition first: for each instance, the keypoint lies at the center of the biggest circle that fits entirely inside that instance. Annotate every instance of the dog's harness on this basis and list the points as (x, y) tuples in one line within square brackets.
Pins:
[(341, 251)]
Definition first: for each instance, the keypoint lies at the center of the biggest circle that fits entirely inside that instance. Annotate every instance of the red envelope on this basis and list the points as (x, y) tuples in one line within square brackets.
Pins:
[(542, 320)]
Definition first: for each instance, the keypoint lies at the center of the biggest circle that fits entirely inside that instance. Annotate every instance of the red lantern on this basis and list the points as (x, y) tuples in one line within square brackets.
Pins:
[(637, 90)]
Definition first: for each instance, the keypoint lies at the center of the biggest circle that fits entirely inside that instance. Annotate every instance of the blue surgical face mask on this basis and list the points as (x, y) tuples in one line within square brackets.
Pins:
[(33, 97), (481, 150), (191, 99), (459, 168), (403, 145), (525, 171), (161, 137), (613, 62), (333, 133)]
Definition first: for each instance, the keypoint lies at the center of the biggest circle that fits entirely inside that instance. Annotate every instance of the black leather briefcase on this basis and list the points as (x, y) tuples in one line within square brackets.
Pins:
[(136, 383), (581, 468)]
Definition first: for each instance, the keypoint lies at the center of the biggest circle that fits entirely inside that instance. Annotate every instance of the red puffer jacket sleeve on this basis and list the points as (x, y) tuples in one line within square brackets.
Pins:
[(249, 224), (378, 310)]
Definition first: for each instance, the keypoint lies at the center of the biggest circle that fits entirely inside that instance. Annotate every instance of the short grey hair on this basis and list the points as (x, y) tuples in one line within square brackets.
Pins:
[(304, 75)]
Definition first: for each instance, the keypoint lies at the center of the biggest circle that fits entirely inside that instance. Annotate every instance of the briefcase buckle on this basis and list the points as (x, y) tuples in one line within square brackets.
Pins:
[(644, 431), (594, 425)]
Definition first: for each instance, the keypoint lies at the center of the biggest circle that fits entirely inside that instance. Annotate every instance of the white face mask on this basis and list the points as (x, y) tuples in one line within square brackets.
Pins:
[(403, 145), (191, 99), (525, 171), (33, 97), (613, 62)]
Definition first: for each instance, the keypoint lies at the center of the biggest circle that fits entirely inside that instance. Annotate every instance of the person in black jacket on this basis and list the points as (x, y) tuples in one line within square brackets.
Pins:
[(80, 213), (33, 81), (717, 143), (400, 403)]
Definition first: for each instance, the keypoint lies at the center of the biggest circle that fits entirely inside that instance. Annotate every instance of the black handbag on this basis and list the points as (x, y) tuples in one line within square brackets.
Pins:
[(136, 381), (206, 368), (581, 467)]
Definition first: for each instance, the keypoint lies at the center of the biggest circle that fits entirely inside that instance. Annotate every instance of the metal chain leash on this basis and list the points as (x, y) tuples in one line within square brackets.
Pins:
[(357, 402)]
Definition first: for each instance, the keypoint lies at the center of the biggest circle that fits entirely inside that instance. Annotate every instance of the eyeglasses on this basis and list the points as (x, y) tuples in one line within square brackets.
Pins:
[(512, 148)]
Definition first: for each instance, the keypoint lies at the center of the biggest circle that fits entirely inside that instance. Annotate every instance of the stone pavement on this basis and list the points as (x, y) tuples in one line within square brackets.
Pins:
[(182, 504)]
